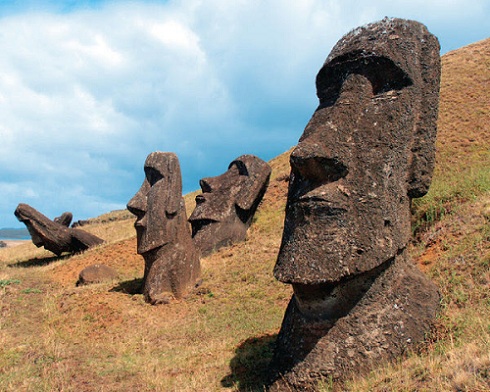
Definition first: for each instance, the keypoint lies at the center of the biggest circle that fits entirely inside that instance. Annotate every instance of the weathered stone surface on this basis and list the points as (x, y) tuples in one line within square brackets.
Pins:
[(54, 236), (225, 208), (64, 219), (368, 149), (97, 273), (172, 265)]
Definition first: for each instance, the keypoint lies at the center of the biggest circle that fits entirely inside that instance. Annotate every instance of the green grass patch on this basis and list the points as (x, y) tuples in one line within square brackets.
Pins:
[(450, 188), (8, 282)]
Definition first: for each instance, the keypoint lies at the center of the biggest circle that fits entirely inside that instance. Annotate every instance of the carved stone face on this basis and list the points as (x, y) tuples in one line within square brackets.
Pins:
[(359, 161), (225, 208), (216, 202), (53, 235), (157, 201), (367, 150)]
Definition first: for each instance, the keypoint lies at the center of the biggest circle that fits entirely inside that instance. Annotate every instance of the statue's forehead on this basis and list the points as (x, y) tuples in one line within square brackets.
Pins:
[(391, 43), (249, 165), (383, 74), (162, 162)]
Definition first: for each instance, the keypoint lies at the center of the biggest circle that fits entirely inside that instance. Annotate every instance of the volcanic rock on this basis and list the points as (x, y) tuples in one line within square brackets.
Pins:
[(225, 208), (172, 265), (366, 152)]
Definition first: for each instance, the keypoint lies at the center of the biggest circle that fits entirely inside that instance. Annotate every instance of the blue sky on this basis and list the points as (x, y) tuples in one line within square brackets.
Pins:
[(89, 88)]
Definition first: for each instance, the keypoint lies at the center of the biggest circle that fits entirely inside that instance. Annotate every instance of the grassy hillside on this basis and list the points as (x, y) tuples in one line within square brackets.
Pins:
[(55, 336)]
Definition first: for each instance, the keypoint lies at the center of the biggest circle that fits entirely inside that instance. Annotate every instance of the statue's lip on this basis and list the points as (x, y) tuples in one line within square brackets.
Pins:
[(203, 220)]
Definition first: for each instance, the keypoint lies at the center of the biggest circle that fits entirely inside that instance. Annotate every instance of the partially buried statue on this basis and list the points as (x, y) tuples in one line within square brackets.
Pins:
[(225, 208), (55, 236), (366, 152), (172, 264), (64, 219)]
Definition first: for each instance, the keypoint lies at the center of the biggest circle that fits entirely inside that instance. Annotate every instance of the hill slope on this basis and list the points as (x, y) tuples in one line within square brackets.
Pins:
[(55, 336)]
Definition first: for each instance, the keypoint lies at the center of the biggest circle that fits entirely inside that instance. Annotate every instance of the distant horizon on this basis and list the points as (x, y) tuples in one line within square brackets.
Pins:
[(18, 233)]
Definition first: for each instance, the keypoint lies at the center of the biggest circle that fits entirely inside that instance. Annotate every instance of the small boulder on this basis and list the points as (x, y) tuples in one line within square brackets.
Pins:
[(96, 273)]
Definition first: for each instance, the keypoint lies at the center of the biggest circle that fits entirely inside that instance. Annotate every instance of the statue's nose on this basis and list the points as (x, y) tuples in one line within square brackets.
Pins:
[(314, 162), (137, 205)]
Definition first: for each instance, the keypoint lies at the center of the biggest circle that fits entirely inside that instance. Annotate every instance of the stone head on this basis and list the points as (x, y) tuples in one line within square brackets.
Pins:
[(35, 222), (55, 236), (367, 150), (225, 208), (157, 202)]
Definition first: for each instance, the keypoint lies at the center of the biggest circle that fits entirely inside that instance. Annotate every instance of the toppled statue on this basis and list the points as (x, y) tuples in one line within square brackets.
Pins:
[(366, 152), (54, 236), (172, 265), (225, 208)]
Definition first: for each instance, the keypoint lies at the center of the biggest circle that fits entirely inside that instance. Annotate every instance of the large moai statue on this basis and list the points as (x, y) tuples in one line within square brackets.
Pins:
[(172, 265), (366, 152), (225, 208), (54, 236)]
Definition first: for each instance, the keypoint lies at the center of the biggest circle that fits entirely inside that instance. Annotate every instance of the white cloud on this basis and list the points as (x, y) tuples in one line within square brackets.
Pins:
[(86, 94)]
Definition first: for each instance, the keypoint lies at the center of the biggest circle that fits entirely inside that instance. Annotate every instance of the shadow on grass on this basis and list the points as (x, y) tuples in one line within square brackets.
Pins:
[(250, 365), (39, 262), (131, 287)]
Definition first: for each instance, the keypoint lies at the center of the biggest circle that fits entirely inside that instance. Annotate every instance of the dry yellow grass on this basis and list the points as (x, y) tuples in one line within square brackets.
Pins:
[(58, 337)]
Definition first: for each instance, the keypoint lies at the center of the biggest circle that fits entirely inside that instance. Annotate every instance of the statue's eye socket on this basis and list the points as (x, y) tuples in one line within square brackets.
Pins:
[(242, 169), (152, 175), (382, 72)]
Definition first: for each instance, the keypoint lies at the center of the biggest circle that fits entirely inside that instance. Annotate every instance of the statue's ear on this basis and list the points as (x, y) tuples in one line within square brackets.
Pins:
[(258, 173), (423, 142), (173, 184)]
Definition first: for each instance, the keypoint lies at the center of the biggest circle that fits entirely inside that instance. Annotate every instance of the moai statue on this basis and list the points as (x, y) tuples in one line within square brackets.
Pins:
[(164, 240), (64, 219), (225, 208), (54, 236), (366, 152)]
